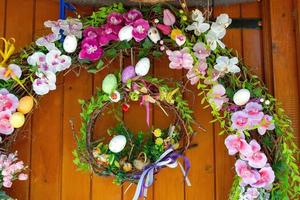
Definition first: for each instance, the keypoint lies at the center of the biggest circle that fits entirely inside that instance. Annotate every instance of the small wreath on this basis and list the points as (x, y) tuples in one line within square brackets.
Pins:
[(129, 156)]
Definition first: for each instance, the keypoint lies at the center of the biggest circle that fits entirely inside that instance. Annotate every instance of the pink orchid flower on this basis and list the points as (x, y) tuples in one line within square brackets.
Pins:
[(237, 144), (108, 33), (8, 101), (217, 96), (266, 124), (254, 112), (252, 193), (267, 177), (90, 50), (115, 18), (240, 121), (257, 159), (11, 71), (131, 16), (5, 126), (194, 74), (140, 29), (180, 59), (248, 175), (201, 52)]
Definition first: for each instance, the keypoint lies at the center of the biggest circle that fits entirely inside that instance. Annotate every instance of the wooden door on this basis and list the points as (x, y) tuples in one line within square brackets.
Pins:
[(47, 142)]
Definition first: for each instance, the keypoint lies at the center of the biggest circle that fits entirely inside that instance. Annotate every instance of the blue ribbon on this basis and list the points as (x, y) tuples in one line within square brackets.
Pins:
[(167, 159)]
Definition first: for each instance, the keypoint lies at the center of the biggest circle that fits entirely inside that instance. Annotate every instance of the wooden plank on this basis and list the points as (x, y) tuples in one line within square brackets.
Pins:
[(47, 137), (23, 35), (2, 17), (167, 180), (286, 85), (224, 171), (103, 187)]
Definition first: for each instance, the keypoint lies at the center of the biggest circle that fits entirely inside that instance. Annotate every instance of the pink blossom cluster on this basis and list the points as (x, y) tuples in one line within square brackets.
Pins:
[(97, 37), (252, 166), (11, 169), (251, 118), (8, 105)]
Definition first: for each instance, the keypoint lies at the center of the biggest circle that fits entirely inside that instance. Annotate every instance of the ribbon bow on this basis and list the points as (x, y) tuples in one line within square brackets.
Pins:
[(9, 49), (167, 159)]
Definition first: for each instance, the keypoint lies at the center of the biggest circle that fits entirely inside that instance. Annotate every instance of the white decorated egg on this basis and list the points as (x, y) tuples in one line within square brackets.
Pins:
[(126, 33), (241, 97), (153, 35), (142, 67), (117, 143), (70, 44)]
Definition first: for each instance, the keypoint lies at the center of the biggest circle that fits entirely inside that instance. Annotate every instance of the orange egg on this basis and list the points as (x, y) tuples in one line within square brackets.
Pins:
[(25, 104)]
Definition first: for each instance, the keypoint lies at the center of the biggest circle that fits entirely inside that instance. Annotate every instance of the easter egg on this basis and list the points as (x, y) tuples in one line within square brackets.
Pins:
[(241, 97), (17, 120), (70, 44), (153, 35), (126, 33), (109, 83), (142, 67), (117, 143), (128, 73), (25, 104)]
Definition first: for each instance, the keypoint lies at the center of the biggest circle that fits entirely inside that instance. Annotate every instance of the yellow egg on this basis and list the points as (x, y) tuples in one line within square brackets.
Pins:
[(17, 120), (25, 104)]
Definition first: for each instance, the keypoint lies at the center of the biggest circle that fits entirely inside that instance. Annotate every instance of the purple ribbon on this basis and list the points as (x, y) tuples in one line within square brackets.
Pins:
[(167, 159)]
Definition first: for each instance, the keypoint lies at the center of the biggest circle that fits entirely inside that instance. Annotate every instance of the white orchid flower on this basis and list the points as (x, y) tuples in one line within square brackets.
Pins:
[(223, 19), (198, 26), (48, 41), (213, 39), (222, 22), (227, 65), (45, 82), (56, 61)]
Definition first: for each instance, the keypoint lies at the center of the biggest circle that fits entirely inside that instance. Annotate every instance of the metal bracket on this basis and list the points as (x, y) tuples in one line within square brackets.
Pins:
[(246, 23)]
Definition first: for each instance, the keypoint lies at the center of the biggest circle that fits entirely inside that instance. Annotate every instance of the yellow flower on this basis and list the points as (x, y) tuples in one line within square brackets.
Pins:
[(175, 32), (159, 141), (157, 132), (184, 18)]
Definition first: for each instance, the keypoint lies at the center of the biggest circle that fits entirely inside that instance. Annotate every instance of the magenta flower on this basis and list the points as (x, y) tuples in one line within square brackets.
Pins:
[(248, 175), (166, 30), (217, 96), (201, 52), (140, 29), (180, 59), (8, 101), (257, 159), (115, 18), (11, 71), (253, 110), (240, 121), (252, 193), (90, 32), (5, 126), (108, 33), (266, 124), (90, 50), (267, 177), (131, 16), (236, 144)]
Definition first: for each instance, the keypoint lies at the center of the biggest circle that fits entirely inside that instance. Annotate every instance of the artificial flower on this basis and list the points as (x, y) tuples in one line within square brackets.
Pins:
[(115, 96), (54, 25), (140, 29), (58, 62), (214, 39), (166, 30), (8, 101), (200, 51), (157, 132), (222, 22), (267, 177), (198, 26), (180, 59), (115, 18), (38, 59), (131, 16), (217, 96), (257, 159), (11, 71), (108, 33), (237, 144), (194, 74), (90, 50), (240, 121), (48, 41), (248, 175), (159, 141), (90, 32), (266, 124), (227, 65), (5, 126), (251, 194), (178, 36), (213, 76), (168, 18), (254, 112), (223, 19), (44, 83), (72, 26)]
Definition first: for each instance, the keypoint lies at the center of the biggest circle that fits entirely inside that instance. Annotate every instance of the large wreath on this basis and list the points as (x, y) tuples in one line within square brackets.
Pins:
[(258, 133)]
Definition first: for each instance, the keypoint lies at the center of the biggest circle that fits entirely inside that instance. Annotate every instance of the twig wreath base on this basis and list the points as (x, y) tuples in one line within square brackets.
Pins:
[(258, 133)]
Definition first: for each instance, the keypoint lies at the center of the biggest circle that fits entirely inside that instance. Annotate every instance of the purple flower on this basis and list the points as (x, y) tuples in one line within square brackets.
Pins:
[(180, 59), (201, 52), (140, 29), (217, 96), (90, 50), (115, 18), (11, 71), (8, 101), (131, 16), (266, 124), (240, 121)]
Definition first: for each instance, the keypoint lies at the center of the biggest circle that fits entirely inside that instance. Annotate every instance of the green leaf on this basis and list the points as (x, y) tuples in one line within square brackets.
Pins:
[(111, 53), (157, 53)]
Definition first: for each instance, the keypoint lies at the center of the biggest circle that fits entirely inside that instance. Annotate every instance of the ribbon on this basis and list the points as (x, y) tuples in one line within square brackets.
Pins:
[(167, 159), (9, 49)]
